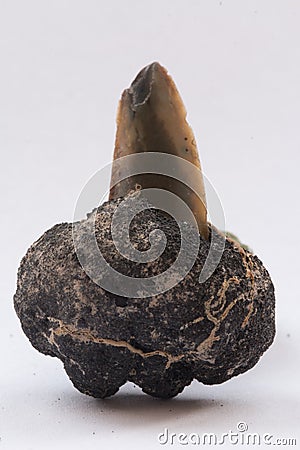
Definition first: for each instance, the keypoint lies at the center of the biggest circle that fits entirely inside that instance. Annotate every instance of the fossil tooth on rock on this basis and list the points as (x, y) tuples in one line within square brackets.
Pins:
[(209, 331)]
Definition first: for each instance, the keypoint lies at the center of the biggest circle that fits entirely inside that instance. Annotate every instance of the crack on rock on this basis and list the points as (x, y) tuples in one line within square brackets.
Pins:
[(204, 348), (85, 335), (51, 340), (215, 304), (249, 274), (192, 322), (250, 311)]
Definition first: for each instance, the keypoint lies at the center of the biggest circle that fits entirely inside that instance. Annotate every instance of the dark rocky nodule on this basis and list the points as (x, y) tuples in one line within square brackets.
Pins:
[(210, 331), (207, 331)]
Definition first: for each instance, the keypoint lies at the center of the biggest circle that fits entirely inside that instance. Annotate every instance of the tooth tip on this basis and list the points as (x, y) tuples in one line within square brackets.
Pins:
[(154, 66), (140, 88)]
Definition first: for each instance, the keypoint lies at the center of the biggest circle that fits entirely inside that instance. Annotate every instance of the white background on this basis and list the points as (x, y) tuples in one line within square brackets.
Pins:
[(63, 66)]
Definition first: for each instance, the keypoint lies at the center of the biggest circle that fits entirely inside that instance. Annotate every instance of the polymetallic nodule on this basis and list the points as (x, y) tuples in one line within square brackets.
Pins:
[(210, 331)]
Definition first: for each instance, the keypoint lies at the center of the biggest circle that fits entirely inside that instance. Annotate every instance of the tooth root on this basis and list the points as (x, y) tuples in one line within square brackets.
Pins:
[(152, 118)]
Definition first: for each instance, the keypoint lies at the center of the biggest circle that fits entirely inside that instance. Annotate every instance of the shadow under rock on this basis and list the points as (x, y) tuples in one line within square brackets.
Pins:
[(138, 407)]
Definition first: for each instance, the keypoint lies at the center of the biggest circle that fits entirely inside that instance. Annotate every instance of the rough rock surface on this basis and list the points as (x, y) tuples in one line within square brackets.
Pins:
[(207, 331)]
